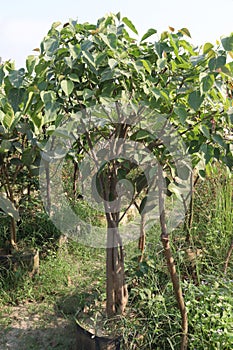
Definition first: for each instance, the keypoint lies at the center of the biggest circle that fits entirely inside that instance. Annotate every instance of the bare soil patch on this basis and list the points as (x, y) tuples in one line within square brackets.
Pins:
[(35, 326)]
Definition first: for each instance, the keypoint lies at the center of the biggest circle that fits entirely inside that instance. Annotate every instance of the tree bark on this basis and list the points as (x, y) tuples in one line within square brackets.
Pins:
[(170, 262), (48, 186), (189, 215), (116, 288), (75, 175), (9, 193), (142, 238), (230, 250)]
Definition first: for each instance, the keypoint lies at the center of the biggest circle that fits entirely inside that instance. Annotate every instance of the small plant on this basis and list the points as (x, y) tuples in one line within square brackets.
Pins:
[(210, 311)]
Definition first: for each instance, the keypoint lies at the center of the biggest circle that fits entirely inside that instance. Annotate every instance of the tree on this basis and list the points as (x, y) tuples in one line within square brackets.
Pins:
[(19, 155), (185, 89)]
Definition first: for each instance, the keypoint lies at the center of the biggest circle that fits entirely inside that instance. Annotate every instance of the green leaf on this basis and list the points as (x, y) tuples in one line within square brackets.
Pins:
[(184, 171), (227, 70), (205, 131), (129, 24), (75, 50), (16, 77), (112, 38), (89, 58), (140, 135), (149, 33), (172, 187), (182, 113), (107, 74), (56, 24), (67, 86), (208, 152), (30, 63), (9, 116), (219, 140), (146, 205), (16, 161), (228, 160), (164, 94), (217, 153), (118, 16), (37, 119), (156, 92), (112, 63), (87, 94), (50, 45), (48, 96), (207, 47), (195, 100), (74, 77), (101, 58), (41, 66), (164, 35), (15, 97), (2, 74), (215, 63), (147, 66), (161, 63), (187, 46), (69, 62), (227, 42), (195, 60), (141, 183), (50, 104), (2, 115), (8, 207), (185, 31), (202, 173), (194, 147), (28, 103), (51, 112), (207, 81), (5, 146), (220, 61), (28, 156)]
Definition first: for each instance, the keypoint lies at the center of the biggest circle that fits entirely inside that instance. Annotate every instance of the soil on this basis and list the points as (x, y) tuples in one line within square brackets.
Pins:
[(35, 326)]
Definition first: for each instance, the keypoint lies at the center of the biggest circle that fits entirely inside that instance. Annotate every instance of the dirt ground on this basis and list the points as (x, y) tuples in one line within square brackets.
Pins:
[(35, 326)]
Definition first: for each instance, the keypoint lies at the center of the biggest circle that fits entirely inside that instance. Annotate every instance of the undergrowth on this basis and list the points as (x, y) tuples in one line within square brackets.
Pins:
[(72, 277)]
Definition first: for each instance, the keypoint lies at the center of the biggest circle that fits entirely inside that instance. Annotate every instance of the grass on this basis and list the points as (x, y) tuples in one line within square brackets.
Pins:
[(72, 279)]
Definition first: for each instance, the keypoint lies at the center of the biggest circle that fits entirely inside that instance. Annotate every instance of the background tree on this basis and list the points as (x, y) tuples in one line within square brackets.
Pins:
[(19, 154)]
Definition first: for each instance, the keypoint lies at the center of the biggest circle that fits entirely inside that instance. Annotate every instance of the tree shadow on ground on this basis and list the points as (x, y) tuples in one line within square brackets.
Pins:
[(35, 326), (59, 338), (44, 326)]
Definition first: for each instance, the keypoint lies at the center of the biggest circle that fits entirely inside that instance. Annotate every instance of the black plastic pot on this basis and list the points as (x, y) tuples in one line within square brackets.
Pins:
[(88, 341)]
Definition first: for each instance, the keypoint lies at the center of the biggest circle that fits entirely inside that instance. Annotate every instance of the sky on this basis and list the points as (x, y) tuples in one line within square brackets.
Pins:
[(24, 23)]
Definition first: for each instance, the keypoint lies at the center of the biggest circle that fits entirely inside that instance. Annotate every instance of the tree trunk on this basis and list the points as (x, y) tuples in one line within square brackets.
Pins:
[(48, 187), (142, 238), (117, 293), (75, 176), (230, 250), (171, 263), (189, 215), (13, 237)]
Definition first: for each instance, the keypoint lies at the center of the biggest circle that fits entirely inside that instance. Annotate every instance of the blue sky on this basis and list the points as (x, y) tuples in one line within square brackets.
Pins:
[(24, 23)]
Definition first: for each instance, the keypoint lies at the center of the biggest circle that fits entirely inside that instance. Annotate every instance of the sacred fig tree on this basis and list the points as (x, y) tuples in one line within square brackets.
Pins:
[(141, 110)]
